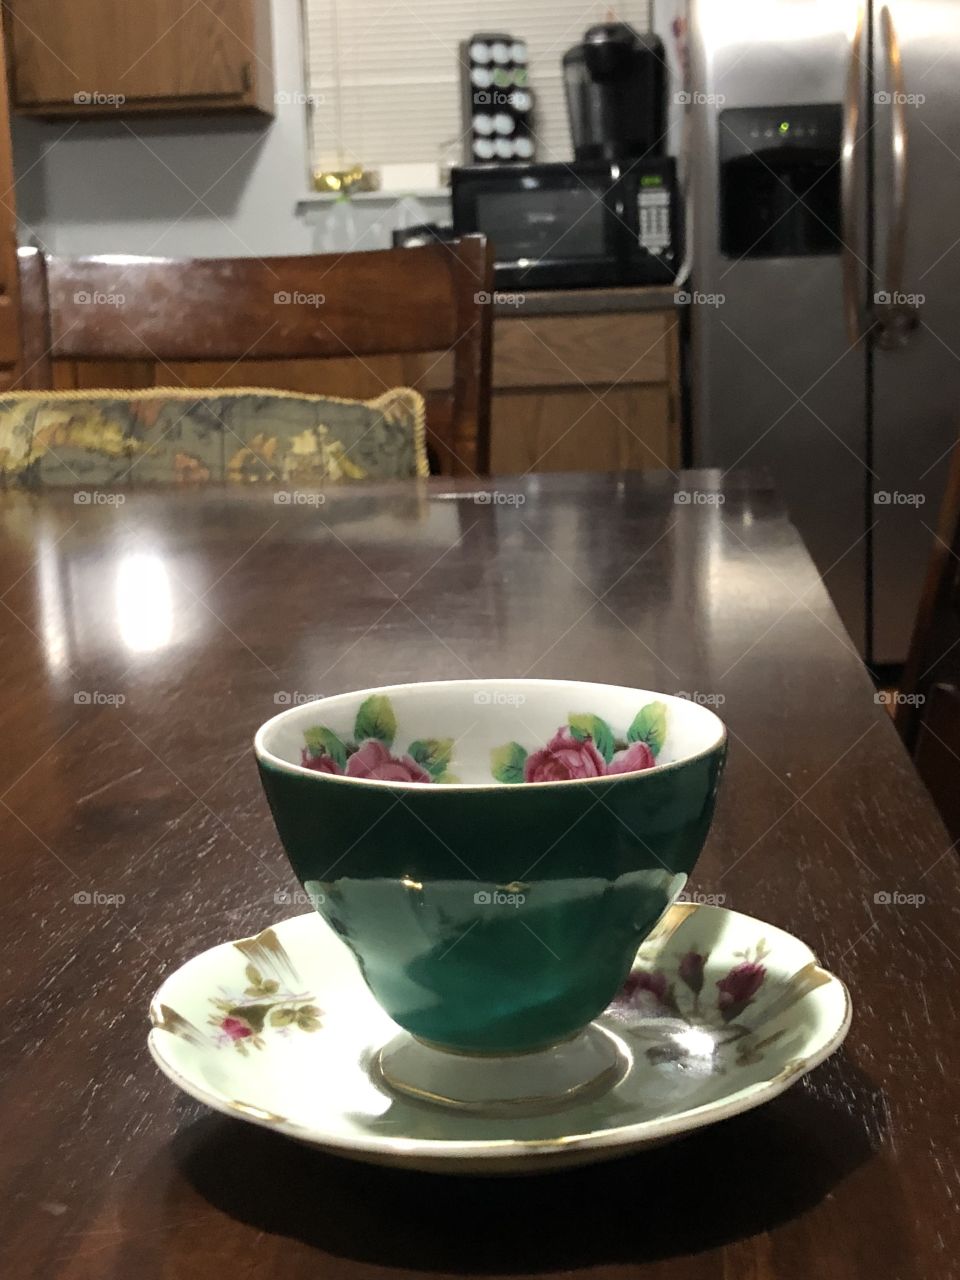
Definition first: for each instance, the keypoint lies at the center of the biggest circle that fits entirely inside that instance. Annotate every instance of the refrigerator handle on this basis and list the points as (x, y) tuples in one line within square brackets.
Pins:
[(895, 318), (850, 181)]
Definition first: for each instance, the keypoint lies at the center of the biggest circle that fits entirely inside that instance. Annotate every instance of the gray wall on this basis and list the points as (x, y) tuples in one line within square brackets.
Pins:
[(177, 187)]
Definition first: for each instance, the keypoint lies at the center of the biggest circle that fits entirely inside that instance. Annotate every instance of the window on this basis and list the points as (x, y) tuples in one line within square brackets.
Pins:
[(384, 75)]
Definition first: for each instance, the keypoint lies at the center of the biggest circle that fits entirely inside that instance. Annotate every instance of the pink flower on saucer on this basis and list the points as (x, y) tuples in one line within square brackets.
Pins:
[(235, 1028), (738, 988)]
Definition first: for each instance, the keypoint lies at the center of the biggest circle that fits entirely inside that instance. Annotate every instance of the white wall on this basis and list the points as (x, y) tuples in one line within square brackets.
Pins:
[(176, 187)]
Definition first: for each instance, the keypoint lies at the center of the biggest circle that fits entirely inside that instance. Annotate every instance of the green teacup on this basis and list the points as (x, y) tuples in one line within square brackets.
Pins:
[(493, 852)]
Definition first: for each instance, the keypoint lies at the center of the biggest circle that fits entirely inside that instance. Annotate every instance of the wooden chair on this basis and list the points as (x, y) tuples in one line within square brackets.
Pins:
[(150, 315), (928, 700)]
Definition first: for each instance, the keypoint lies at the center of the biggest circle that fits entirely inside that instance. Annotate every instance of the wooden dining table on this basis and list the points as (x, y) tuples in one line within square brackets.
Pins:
[(146, 635)]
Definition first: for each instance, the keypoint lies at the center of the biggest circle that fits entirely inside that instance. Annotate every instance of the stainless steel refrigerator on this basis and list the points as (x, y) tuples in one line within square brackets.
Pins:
[(824, 229)]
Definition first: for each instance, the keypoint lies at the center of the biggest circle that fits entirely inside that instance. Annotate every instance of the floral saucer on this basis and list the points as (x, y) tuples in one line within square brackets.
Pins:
[(720, 1013)]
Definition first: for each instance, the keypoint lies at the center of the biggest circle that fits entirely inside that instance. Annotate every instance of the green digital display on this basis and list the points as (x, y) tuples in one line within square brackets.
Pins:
[(651, 180)]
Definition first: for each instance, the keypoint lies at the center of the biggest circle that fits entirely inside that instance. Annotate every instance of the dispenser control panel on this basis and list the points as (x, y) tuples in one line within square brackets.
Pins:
[(780, 180)]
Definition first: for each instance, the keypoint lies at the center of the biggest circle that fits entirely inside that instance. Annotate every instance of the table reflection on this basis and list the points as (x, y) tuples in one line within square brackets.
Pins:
[(144, 602)]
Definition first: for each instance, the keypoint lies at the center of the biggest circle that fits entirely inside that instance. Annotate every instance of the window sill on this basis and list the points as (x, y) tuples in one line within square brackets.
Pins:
[(374, 197)]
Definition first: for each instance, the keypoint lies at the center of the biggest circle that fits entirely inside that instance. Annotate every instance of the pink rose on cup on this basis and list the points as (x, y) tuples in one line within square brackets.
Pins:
[(373, 760), (564, 757), (320, 764), (637, 756)]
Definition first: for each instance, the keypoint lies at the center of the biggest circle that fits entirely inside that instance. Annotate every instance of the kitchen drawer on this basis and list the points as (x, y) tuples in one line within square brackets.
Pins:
[(569, 350)]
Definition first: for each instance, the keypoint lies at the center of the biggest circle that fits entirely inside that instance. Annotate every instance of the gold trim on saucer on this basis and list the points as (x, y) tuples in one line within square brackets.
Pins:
[(266, 949), (257, 1113), (166, 1019)]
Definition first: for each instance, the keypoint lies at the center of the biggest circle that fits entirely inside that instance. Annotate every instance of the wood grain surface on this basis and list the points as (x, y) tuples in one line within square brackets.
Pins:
[(202, 611)]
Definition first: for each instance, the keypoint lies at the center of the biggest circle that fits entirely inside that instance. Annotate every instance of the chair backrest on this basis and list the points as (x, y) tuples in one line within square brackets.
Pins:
[(934, 657), (928, 700), (358, 305)]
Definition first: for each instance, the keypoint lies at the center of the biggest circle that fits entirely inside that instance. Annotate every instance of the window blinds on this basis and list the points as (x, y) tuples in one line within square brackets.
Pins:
[(384, 75)]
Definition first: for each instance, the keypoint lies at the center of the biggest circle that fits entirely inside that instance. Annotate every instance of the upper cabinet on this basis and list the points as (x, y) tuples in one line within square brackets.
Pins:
[(84, 58)]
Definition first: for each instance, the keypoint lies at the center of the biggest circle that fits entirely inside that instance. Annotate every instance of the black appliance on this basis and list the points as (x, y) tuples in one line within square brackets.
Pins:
[(563, 226), (616, 93)]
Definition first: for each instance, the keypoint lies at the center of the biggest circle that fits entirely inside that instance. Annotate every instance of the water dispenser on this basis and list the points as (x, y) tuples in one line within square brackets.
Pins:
[(780, 180)]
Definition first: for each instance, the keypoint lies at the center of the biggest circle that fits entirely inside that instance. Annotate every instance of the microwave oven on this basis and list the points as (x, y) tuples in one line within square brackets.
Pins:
[(572, 225)]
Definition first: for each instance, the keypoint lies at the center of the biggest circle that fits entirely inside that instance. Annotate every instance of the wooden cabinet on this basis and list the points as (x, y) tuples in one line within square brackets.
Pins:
[(112, 57), (586, 380)]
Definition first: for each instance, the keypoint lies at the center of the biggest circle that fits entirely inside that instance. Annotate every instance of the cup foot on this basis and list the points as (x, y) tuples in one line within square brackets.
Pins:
[(590, 1063)]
